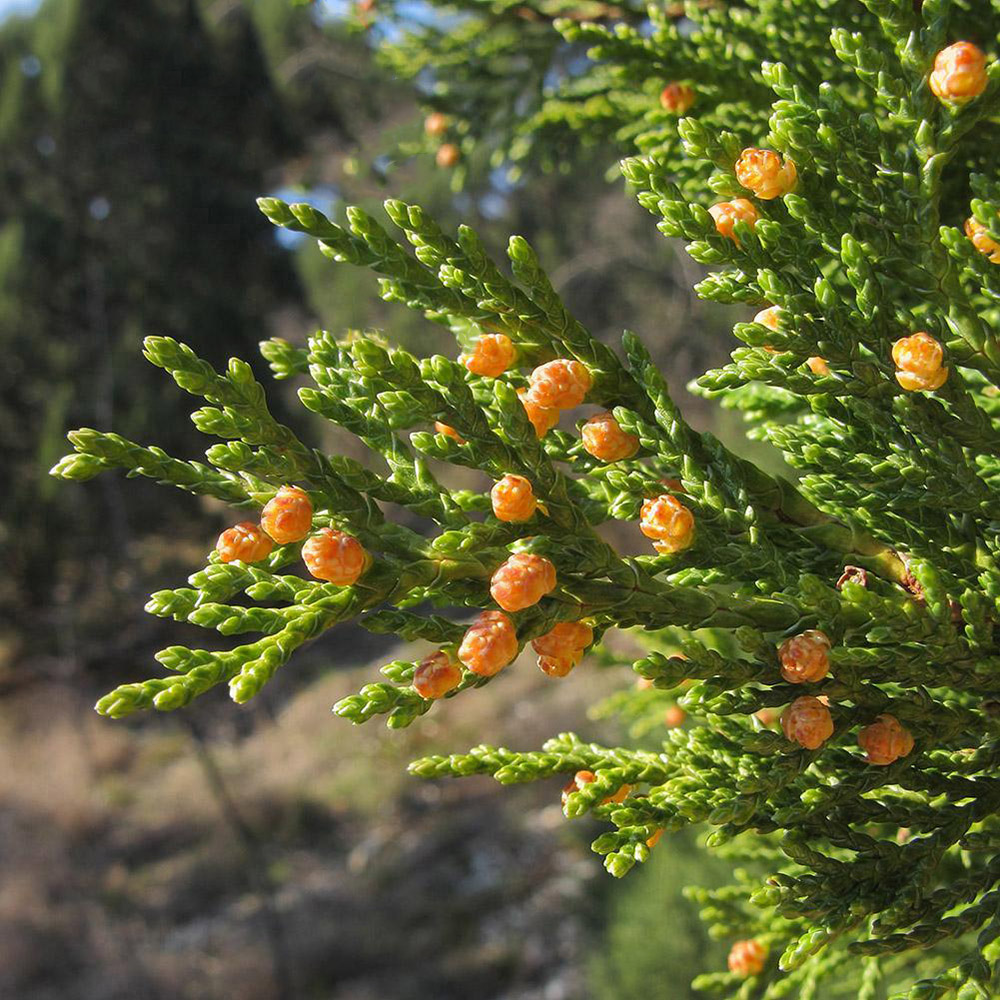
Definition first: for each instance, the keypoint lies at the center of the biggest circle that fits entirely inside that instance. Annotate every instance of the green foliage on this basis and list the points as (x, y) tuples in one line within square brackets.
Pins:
[(651, 908), (896, 488)]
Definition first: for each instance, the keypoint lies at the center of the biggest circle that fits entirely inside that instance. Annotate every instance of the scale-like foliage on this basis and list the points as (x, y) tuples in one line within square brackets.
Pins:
[(864, 597)]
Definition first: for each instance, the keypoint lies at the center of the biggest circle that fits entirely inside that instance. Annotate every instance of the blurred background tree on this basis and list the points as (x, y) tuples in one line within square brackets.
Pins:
[(133, 142), (134, 139)]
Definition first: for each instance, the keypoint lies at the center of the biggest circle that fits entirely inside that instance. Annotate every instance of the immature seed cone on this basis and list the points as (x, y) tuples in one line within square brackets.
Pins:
[(918, 361), (768, 317), (578, 781), (559, 666), (807, 721), (747, 958), (727, 213), (493, 354), (559, 385), (513, 499), (605, 440), (982, 240), (668, 522), (287, 516), (562, 647), (620, 796), (245, 541), (959, 73), (564, 637), (541, 418), (436, 124), (436, 675), (522, 581), (447, 155), (448, 431), (805, 658), (885, 740), (336, 557), (765, 173), (489, 644), (677, 98), (674, 717)]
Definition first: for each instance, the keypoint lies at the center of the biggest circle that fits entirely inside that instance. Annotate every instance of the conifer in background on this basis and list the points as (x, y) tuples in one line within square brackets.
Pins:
[(829, 636), (133, 141)]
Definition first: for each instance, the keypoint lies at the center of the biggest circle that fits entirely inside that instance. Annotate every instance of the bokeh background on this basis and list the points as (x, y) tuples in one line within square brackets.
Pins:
[(269, 852)]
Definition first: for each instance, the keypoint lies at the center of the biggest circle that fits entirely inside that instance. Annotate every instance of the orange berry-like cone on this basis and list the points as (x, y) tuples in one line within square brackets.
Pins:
[(513, 499), (959, 73), (674, 717), (336, 557), (562, 647), (522, 581), (436, 124), (885, 740), (765, 173), (447, 155), (489, 644), (541, 418), (805, 658), (605, 440), (747, 958), (562, 638), (677, 98), (768, 317), (578, 781), (918, 360), (493, 354), (436, 675), (559, 666), (982, 240), (668, 522), (287, 516), (448, 432), (807, 721), (245, 541), (559, 385), (727, 213), (620, 796)]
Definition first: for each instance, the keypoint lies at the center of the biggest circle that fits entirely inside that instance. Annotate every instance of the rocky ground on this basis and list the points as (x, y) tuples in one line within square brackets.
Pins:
[(277, 852)]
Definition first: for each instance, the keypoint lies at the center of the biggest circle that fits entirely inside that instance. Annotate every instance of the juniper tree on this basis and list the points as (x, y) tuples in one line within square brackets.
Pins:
[(819, 649)]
